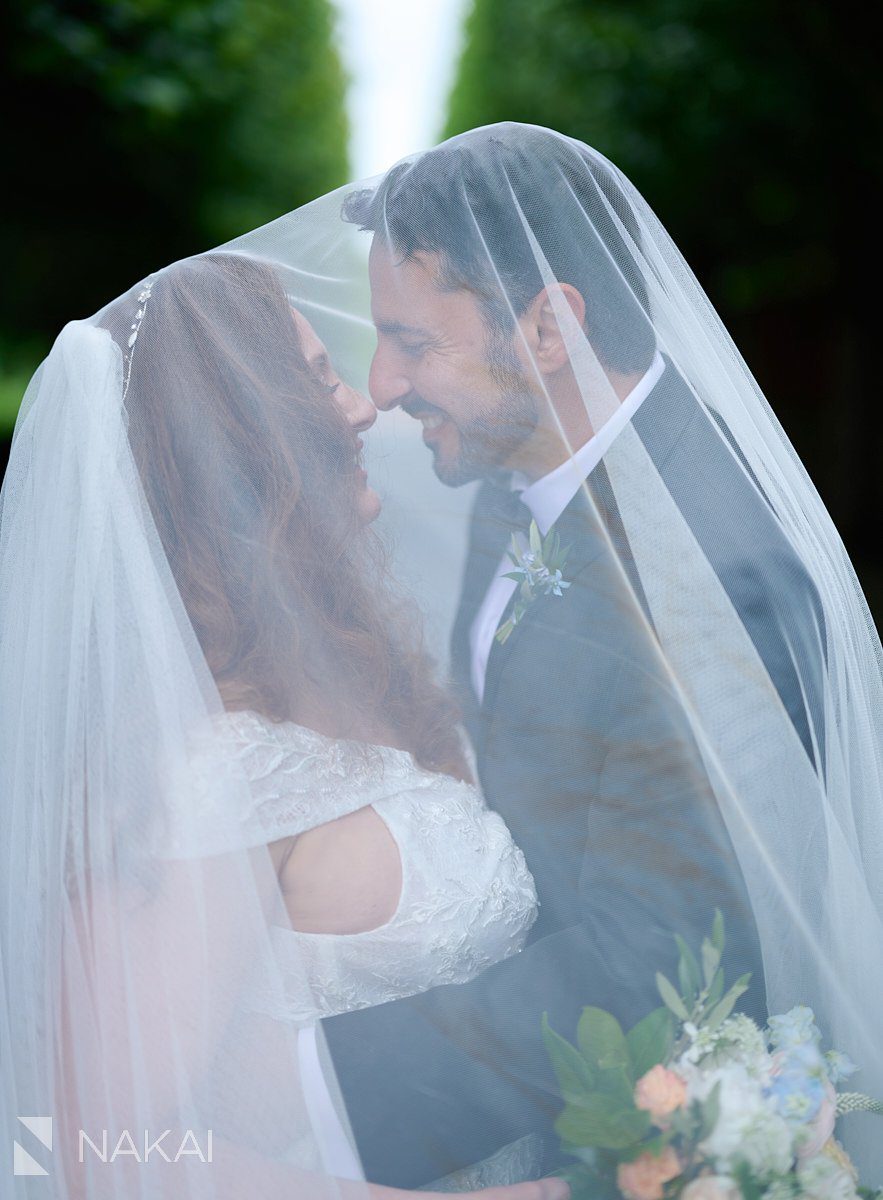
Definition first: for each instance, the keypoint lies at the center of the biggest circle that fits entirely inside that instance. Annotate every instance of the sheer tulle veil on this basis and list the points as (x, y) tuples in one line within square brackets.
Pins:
[(136, 606)]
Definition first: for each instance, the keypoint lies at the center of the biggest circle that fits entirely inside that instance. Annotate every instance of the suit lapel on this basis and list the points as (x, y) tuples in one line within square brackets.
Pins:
[(592, 517), (580, 532), (489, 538)]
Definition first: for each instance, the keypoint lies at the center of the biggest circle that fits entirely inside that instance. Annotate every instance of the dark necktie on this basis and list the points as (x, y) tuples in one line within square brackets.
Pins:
[(509, 511)]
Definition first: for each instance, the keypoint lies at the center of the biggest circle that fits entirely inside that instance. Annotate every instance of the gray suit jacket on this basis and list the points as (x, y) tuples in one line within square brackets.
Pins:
[(584, 750)]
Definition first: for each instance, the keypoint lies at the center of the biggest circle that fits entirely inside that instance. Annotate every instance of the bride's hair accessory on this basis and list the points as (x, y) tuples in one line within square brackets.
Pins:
[(143, 296)]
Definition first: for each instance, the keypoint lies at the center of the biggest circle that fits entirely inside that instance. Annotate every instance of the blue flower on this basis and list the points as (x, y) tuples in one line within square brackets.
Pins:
[(794, 1028), (797, 1095), (839, 1066)]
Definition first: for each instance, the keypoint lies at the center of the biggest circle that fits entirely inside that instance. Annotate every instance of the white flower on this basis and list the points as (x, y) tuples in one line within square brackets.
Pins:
[(740, 1105), (737, 1040), (747, 1130), (768, 1145), (822, 1179)]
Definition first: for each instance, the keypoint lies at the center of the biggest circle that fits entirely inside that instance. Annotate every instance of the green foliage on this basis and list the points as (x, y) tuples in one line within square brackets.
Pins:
[(17, 363), (600, 1124), (731, 116), (538, 573), (145, 130), (651, 1041), (702, 1001), (12, 388), (597, 1079), (755, 130)]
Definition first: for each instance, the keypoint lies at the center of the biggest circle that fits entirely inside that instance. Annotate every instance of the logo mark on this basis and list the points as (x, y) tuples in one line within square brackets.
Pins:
[(24, 1163)]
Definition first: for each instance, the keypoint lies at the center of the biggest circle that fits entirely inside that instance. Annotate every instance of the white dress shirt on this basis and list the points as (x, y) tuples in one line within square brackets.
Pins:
[(547, 499), (339, 1157)]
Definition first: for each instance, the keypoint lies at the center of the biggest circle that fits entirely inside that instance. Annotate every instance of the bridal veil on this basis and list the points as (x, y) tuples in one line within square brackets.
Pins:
[(138, 897)]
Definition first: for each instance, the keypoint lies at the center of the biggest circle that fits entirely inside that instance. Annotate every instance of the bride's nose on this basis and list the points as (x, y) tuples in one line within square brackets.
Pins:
[(358, 409)]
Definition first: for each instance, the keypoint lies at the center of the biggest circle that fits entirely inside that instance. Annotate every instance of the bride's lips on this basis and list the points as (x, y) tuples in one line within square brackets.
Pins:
[(360, 472)]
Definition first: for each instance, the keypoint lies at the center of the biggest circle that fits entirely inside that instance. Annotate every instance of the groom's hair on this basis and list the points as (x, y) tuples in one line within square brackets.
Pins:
[(493, 203)]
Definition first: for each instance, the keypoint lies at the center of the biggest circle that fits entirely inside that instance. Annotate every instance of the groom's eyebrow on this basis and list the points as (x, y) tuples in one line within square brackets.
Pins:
[(397, 329)]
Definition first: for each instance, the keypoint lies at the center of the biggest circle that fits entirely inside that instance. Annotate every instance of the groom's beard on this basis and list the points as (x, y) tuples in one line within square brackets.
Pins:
[(487, 442), (490, 441)]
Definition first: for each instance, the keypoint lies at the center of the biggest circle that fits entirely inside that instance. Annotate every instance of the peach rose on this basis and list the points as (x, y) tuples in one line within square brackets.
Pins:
[(645, 1178), (710, 1187), (659, 1093)]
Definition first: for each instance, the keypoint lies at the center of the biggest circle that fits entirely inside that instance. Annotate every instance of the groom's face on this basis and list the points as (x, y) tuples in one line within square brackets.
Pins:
[(437, 359)]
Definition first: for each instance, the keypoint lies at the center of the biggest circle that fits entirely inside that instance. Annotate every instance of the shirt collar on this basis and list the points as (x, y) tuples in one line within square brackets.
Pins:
[(548, 497)]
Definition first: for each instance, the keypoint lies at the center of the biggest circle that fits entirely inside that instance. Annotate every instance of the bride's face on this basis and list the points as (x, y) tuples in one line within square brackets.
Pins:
[(358, 410)]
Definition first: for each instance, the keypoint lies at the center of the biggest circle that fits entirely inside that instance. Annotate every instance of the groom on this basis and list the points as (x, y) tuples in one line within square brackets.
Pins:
[(582, 743)]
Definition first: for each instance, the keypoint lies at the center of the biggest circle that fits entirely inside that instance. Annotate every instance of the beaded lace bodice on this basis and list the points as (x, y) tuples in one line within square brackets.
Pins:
[(467, 898)]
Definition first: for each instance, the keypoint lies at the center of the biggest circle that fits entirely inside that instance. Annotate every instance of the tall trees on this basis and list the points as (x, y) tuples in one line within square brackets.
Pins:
[(753, 128), (138, 131)]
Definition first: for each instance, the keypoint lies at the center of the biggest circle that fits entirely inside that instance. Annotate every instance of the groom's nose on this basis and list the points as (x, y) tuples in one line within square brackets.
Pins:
[(386, 382)]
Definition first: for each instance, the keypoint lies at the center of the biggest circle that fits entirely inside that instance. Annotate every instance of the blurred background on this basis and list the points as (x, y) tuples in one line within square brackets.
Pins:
[(139, 131)]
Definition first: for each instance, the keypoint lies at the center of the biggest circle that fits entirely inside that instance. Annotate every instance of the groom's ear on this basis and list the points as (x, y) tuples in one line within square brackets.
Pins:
[(551, 325)]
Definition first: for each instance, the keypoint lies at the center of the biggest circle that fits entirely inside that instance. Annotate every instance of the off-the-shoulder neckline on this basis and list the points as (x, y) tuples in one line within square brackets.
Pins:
[(324, 739)]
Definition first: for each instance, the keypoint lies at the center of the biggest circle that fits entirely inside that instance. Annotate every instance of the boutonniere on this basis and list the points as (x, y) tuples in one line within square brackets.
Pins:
[(537, 570)]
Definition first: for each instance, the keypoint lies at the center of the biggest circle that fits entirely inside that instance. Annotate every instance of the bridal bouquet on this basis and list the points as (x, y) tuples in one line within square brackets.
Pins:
[(698, 1102)]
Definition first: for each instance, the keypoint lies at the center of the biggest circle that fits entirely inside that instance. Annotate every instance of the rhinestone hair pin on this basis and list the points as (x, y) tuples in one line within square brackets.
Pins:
[(143, 296)]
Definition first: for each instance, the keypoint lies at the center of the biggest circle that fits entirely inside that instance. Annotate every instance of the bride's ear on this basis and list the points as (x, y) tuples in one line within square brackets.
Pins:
[(549, 326)]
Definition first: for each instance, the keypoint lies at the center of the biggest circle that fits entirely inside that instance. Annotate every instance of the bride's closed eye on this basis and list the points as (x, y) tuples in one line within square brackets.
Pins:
[(325, 373)]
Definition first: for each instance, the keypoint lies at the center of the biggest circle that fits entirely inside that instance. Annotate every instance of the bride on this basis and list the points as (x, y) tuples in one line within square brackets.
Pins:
[(185, 518)]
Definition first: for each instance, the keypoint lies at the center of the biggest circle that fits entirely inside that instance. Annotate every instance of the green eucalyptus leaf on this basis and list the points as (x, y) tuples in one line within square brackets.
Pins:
[(710, 961), (716, 990), (718, 939), (536, 542), (688, 970), (670, 997), (723, 1009)]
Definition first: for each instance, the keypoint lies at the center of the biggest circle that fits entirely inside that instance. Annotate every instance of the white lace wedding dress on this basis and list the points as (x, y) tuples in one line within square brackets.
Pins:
[(467, 897)]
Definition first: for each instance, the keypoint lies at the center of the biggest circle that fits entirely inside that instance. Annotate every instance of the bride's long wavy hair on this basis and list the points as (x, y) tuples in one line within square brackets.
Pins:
[(250, 472)]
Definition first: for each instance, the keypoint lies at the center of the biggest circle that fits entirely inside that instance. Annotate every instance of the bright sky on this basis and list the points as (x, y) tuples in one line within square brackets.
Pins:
[(400, 56)]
